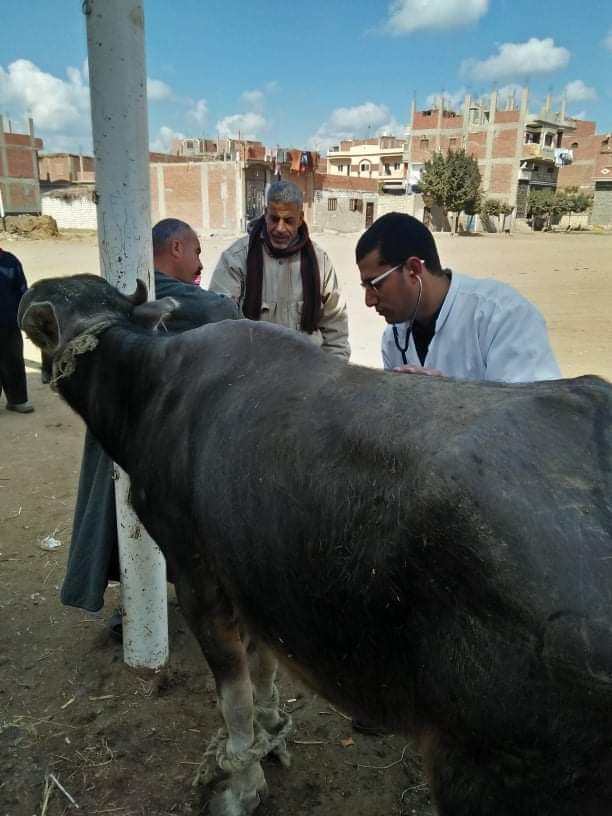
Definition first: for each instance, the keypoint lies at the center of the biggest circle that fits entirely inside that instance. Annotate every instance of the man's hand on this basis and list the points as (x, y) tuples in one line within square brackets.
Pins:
[(413, 369)]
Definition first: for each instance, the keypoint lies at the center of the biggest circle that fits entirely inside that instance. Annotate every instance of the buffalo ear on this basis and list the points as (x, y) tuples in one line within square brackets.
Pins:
[(151, 314), (39, 321), (140, 294)]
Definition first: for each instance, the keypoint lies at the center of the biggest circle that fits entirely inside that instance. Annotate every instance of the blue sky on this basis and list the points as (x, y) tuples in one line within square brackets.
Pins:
[(308, 75)]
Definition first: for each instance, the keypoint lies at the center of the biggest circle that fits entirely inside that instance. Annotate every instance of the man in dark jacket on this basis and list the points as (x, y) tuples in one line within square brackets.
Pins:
[(93, 557), (12, 367)]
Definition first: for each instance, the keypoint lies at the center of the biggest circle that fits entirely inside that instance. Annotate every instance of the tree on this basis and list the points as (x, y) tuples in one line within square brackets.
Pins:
[(494, 208), (453, 182), (575, 201), (544, 204)]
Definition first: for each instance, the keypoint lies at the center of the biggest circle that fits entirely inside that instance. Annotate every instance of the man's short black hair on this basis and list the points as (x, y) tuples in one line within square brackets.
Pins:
[(169, 228), (397, 237)]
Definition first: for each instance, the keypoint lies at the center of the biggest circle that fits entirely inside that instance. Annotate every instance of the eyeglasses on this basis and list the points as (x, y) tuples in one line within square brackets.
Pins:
[(373, 285)]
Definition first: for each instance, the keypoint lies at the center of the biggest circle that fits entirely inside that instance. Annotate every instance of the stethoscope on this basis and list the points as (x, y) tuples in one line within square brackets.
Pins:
[(403, 349)]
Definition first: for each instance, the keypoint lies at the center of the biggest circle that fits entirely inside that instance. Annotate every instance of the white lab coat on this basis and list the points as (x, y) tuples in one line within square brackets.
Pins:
[(485, 331)]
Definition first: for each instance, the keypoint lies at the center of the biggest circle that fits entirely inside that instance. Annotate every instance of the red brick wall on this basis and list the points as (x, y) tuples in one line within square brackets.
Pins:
[(451, 142), (22, 194), (170, 157), (586, 155), (424, 121), (504, 143), (584, 127), (19, 163), (57, 168), (420, 150), (577, 174), (451, 121), (476, 144), (326, 182), (182, 192), (503, 117), (21, 140), (501, 179)]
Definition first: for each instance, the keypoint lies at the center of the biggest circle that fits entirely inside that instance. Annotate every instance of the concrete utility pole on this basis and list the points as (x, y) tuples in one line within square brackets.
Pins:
[(118, 89)]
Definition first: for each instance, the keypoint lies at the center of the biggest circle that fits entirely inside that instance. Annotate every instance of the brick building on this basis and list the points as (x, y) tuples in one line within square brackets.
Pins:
[(591, 168), (19, 170), (381, 159), (68, 168), (517, 151), (219, 149)]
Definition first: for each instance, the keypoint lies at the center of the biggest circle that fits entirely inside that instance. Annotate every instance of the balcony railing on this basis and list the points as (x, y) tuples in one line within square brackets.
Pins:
[(538, 151)]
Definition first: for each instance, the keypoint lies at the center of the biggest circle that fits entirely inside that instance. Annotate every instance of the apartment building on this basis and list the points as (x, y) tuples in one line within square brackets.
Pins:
[(591, 168), (517, 151), (380, 159), (225, 149)]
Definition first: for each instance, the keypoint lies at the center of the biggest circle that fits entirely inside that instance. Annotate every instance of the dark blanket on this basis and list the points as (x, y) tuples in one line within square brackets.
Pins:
[(93, 557)]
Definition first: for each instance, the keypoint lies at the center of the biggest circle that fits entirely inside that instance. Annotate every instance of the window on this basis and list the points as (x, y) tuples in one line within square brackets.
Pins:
[(341, 168), (365, 167), (332, 204), (548, 140), (387, 169), (396, 166), (452, 142), (355, 205), (424, 143), (574, 145), (189, 145)]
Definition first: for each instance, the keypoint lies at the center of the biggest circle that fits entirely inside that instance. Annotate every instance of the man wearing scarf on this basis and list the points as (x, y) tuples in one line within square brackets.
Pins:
[(277, 273)]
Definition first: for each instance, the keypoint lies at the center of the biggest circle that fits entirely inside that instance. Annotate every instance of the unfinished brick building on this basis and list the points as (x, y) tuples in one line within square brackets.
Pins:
[(19, 186), (517, 151)]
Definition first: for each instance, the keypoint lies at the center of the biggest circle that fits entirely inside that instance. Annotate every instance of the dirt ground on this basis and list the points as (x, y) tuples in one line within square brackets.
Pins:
[(127, 743)]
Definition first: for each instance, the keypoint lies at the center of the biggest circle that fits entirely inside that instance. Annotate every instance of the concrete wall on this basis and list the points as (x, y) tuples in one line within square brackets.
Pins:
[(409, 204), (601, 213), (71, 213), (342, 218)]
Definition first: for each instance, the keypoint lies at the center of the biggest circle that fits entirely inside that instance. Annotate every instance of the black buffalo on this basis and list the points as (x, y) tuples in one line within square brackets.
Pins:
[(433, 555)]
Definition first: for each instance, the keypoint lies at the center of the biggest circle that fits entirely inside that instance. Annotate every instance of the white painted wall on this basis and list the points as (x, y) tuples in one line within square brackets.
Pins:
[(71, 213)]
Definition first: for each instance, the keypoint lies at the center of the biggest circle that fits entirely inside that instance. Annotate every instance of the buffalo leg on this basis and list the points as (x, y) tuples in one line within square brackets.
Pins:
[(237, 750), (263, 667)]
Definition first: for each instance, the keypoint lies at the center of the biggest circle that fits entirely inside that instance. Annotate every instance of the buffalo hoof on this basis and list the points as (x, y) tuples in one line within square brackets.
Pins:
[(228, 802)]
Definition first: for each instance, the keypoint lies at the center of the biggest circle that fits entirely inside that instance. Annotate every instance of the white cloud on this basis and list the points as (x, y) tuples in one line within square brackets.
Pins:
[(165, 136), (198, 113), (55, 104), (516, 60), (452, 99), (577, 91), (608, 39), (247, 125), (580, 115), (359, 117), (406, 16), (157, 90), (253, 99), (356, 122)]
